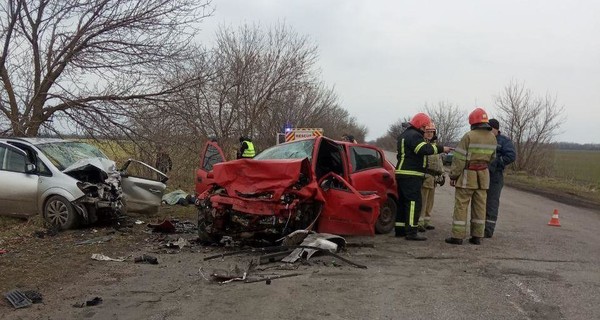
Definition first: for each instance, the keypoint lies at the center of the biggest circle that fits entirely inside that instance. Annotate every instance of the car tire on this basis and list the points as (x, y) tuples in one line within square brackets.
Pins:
[(387, 217), (60, 213)]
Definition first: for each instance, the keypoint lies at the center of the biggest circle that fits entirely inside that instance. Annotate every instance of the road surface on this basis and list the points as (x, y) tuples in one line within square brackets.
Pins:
[(529, 270)]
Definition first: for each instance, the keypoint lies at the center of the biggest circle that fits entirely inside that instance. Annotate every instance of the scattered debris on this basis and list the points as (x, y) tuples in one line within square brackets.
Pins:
[(3, 251), (146, 259), (139, 222), (180, 243), (173, 226), (322, 241), (34, 296), (95, 240), (269, 278), (51, 232), (18, 299), (101, 257), (94, 302)]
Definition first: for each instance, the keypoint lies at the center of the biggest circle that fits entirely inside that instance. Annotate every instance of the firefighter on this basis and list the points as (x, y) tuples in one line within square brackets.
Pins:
[(433, 170), (470, 176), (410, 172), (246, 149), (505, 155)]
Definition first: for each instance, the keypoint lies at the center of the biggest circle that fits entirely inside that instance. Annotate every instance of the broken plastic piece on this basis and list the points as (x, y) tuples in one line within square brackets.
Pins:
[(101, 257), (17, 299), (94, 302), (33, 295), (146, 259), (165, 227)]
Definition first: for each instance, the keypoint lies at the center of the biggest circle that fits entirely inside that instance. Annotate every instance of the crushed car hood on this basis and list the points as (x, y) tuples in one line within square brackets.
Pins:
[(264, 179), (94, 170)]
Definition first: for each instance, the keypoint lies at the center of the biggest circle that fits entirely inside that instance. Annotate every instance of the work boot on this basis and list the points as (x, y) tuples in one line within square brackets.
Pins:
[(475, 240), (415, 237), (487, 234), (429, 227), (454, 241), (421, 228)]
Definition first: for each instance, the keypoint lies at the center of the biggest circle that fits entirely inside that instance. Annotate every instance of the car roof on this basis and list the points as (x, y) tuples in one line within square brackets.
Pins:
[(35, 141)]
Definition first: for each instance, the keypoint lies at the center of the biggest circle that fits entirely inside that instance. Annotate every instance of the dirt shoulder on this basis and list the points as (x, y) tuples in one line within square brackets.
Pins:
[(560, 191)]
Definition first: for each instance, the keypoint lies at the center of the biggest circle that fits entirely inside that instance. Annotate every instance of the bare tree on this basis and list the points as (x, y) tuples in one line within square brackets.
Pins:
[(532, 123), (450, 121), (88, 63)]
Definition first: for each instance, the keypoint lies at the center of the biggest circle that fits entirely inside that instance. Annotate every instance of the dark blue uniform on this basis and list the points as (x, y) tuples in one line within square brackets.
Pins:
[(505, 155)]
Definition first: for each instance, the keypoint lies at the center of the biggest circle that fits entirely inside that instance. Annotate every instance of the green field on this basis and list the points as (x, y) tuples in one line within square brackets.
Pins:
[(578, 166)]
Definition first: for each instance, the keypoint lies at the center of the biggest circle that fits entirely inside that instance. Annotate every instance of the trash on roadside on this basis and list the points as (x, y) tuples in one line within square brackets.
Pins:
[(18, 299), (3, 251), (34, 296), (180, 243), (101, 257), (95, 240), (146, 259), (139, 222), (94, 302), (165, 227), (51, 232), (322, 241)]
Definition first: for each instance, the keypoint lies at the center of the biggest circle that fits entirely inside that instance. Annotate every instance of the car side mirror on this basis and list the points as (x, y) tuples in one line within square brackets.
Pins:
[(30, 168)]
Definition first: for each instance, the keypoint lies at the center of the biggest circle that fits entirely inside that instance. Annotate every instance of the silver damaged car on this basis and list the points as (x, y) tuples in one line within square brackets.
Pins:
[(72, 183)]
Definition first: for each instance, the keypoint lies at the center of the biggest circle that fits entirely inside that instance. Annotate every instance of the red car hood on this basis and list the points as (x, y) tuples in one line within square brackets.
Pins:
[(248, 178)]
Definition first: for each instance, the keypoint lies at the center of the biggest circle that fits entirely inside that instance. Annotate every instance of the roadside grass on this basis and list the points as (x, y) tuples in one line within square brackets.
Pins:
[(559, 189), (579, 166)]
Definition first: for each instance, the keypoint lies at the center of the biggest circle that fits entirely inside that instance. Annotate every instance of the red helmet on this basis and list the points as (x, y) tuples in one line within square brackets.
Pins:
[(478, 116), (419, 120)]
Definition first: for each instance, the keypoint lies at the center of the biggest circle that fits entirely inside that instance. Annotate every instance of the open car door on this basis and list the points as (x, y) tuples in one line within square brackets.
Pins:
[(211, 155), (347, 211), (143, 187)]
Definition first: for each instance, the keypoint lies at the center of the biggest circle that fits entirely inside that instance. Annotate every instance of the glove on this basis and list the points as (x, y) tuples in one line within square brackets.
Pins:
[(440, 180)]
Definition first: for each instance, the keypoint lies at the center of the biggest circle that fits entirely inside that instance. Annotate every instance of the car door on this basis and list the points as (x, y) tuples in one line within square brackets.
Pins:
[(19, 189), (347, 211), (210, 155), (143, 187), (367, 171)]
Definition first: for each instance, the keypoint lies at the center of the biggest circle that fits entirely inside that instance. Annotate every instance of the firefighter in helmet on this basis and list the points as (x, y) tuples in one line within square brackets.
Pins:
[(470, 176), (410, 172), (433, 170)]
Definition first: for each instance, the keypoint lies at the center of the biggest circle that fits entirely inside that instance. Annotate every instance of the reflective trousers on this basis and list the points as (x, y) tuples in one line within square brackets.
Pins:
[(462, 198), (409, 208), (427, 197), (493, 202)]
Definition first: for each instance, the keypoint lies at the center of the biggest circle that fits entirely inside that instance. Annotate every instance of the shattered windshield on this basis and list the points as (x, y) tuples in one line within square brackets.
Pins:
[(64, 154), (295, 150)]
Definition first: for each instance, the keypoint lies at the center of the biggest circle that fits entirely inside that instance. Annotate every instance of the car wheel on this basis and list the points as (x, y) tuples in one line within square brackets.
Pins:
[(60, 213), (387, 217)]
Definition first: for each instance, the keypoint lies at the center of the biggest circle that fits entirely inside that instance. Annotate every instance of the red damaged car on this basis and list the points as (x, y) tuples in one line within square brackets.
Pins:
[(331, 186)]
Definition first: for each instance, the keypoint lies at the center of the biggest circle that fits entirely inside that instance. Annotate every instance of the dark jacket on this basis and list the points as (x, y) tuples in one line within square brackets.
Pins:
[(413, 151), (505, 154)]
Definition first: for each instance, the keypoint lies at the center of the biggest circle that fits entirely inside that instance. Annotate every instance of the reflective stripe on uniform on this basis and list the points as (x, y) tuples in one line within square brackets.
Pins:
[(459, 223), (490, 221), (400, 224), (477, 221), (401, 156), (419, 146), (411, 217)]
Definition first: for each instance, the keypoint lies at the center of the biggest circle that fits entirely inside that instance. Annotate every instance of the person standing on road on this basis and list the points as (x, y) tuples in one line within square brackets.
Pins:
[(246, 148), (434, 169), (505, 155), (410, 172), (470, 176)]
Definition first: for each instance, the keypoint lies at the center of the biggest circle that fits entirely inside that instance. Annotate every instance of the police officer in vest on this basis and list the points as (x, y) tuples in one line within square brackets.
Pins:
[(246, 148), (413, 150), (470, 176)]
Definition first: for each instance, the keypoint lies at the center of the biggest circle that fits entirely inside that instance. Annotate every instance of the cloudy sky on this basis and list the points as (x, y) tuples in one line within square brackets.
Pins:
[(387, 59)]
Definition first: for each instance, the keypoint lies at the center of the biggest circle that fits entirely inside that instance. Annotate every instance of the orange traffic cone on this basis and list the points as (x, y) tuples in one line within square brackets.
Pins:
[(554, 221)]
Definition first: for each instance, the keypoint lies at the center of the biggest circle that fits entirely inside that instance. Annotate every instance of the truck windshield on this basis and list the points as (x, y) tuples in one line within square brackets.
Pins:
[(295, 150)]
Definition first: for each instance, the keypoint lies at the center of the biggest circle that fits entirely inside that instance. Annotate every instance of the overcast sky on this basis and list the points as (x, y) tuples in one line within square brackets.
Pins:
[(387, 59)]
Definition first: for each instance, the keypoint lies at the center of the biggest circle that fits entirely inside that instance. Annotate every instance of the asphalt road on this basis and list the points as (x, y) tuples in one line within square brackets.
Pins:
[(529, 270)]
